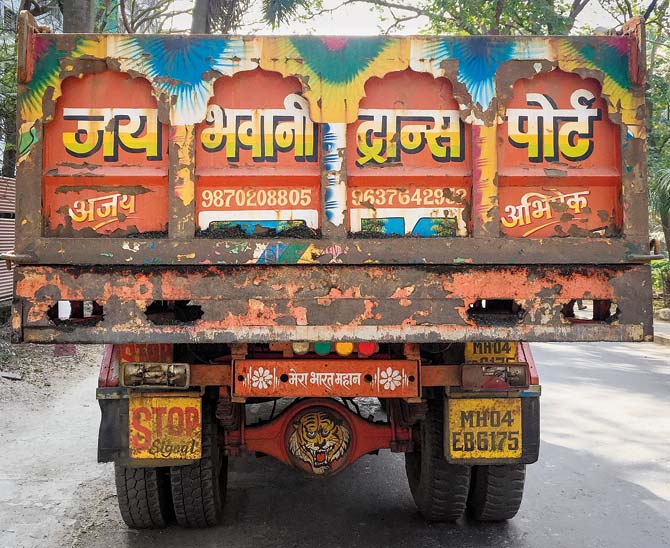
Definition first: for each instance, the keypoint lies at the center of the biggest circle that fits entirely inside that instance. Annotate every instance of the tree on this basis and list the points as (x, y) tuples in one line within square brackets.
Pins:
[(8, 106), (657, 15), (148, 16), (220, 16), (78, 15), (450, 16)]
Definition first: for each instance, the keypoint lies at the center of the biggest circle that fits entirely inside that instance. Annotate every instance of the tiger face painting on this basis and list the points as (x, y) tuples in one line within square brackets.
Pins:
[(319, 438)]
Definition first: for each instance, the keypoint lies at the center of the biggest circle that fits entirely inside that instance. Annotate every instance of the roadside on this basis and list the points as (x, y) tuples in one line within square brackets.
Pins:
[(31, 373), (661, 332), (48, 435)]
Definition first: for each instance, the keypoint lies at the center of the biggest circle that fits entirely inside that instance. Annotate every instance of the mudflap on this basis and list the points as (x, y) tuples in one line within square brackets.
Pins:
[(113, 433)]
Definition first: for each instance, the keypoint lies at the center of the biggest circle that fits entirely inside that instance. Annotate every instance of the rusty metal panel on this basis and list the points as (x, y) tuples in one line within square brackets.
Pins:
[(210, 375), (441, 375), (372, 303), (253, 151), (326, 378)]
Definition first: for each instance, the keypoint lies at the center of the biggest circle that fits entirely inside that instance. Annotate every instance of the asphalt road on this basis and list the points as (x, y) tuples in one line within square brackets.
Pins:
[(603, 479)]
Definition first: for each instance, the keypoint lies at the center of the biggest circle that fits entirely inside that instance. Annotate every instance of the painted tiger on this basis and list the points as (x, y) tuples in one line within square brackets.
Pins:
[(319, 439)]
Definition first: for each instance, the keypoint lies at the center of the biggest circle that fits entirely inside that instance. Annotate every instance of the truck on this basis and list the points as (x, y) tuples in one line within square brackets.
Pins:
[(315, 248)]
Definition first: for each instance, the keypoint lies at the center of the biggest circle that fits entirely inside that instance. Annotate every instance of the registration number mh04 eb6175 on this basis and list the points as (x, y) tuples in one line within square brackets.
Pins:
[(484, 428)]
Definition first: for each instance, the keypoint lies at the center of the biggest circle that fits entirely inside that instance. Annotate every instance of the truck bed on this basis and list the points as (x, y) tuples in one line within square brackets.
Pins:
[(249, 189)]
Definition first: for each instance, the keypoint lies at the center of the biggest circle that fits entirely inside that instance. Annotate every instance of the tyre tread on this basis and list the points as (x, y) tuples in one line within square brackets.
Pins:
[(143, 497), (441, 491), (196, 494), (496, 492)]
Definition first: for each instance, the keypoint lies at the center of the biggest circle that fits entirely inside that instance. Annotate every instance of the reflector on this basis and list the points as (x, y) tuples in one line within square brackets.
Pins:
[(368, 348), (322, 348), (300, 348), (344, 348)]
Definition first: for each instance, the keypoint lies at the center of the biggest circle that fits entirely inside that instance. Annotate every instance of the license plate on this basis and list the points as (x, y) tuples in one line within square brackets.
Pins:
[(165, 427), (486, 428), (491, 352)]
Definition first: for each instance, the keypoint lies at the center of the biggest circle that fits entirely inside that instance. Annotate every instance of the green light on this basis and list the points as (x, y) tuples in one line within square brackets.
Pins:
[(322, 348)]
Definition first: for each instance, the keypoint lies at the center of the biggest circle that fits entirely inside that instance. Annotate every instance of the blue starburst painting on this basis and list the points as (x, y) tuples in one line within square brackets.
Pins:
[(162, 59), (479, 59)]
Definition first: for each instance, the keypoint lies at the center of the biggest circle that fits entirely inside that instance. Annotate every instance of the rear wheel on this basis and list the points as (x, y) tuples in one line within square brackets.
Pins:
[(440, 489), (144, 496), (199, 489), (496, 491)]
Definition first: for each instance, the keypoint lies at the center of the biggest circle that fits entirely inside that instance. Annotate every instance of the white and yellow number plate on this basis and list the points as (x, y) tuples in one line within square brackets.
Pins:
[(491, 352), (165, 427), (485, 428)]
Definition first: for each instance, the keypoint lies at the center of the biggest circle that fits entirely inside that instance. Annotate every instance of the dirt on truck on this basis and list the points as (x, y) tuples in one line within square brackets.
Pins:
[(360, 234)]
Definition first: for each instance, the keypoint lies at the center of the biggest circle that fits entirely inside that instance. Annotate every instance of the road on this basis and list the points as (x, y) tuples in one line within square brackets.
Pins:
[(603, 479)]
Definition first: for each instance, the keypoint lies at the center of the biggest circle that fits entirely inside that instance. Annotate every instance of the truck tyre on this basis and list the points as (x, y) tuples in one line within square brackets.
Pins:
[(440, 489), (144, 496), (496, 491), (199, 489)]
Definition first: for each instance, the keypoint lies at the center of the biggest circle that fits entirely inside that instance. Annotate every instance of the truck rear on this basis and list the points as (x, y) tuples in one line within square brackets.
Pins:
[(315, 248)]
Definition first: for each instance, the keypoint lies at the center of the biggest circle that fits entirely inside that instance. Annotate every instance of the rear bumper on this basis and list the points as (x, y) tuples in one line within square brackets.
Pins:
[(334, 303)]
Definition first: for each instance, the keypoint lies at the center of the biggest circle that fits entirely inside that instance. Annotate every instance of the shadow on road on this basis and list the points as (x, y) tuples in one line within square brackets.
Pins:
[(571, 500)]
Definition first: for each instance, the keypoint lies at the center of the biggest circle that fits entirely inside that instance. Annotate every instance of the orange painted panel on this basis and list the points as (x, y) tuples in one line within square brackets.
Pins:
[(558, 121), (559, 160), (102, 121), (407, 139), (105, 159), (408, 124), (74, 204), (257, 121), (326, 378), (257, 156), (552, 210)]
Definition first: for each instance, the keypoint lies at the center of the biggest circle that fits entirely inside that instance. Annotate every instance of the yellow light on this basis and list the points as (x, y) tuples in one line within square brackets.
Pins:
[(344, 348), (300, 348)]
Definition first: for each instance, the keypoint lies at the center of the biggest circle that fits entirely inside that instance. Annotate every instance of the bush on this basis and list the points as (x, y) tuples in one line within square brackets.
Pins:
[(660, 276)]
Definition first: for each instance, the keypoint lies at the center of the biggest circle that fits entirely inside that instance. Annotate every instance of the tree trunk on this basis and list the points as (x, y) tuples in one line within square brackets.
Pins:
[(78, 15), (200, 23)]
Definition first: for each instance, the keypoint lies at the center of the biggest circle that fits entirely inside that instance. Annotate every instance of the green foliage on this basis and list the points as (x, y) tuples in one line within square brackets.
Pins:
[(658, 123), (474, 17), (504, 17), (8, 104), (276, 12), (659, 185), (660, 278)]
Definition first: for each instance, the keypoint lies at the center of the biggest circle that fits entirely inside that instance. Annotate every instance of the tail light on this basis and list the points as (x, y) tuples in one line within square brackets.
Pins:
[(367, 348)]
